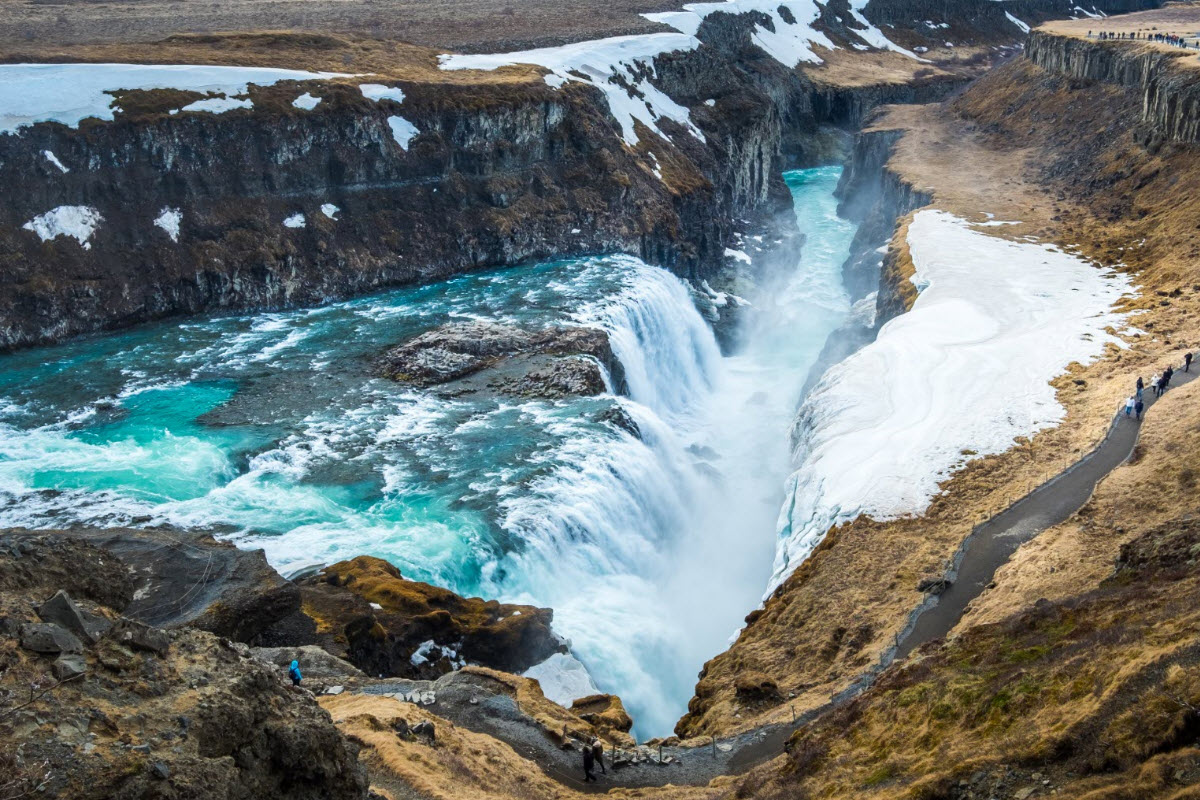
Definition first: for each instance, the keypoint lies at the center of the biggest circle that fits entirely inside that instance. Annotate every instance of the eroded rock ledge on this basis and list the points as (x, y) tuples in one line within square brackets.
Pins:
[(367, 612)]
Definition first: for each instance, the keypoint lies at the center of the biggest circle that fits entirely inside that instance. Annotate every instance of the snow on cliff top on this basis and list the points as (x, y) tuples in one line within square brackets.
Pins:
[(617, 64), (967, 369), (68, 93), (598, 62)]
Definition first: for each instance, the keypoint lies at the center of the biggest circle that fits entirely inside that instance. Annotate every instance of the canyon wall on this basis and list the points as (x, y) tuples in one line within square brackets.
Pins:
[(499, 172), (1170, 88)]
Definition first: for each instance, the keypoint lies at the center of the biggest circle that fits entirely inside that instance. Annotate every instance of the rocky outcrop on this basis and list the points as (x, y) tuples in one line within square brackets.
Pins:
[(166, 578), (467, 357), (606, 713), (366, 611), (140, 712), (1168, 82)]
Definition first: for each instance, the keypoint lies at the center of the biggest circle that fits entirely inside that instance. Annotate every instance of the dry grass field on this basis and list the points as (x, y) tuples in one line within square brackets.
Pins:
[(459, 25)]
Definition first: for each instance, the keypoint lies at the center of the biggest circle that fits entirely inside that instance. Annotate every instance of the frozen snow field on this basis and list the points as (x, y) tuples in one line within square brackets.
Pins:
[(967, 369), (69, 93)]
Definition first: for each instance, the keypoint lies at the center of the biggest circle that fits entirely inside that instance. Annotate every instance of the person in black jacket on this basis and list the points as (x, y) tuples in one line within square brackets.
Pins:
[(589, 763)]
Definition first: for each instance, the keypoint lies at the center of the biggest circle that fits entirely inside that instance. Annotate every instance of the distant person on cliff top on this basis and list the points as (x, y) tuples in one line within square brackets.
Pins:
[(1129, 406), (294, 673), (598, 753), (1187, 362), (1138, 408), (589, 763)]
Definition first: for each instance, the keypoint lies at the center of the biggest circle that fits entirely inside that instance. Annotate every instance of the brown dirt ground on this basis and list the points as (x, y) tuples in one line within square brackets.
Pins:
[(288, 49), (852, 68), (460, 25)]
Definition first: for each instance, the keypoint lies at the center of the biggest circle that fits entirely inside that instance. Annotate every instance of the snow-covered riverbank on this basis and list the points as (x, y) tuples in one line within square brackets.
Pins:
[(959, 376)]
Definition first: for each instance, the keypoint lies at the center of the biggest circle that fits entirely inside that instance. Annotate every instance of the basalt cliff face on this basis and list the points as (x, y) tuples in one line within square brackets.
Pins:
[(499, 172), (1170, 92)]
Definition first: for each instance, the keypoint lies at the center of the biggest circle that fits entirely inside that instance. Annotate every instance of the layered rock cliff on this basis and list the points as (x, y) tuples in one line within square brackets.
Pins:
[(493, 172), (1169, 87)]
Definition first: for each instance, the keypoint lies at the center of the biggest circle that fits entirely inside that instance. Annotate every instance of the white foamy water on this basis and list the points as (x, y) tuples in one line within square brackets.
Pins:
[(270, 429)]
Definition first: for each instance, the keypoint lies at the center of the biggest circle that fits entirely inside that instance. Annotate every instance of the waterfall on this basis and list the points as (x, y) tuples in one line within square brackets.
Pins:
[(272, 430)]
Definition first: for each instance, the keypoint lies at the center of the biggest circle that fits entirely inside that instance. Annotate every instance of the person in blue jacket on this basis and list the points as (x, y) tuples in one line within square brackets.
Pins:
[(294, 673)]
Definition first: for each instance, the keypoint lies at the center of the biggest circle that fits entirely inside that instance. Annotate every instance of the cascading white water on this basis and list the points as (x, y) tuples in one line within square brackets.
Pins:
[(269, 428)]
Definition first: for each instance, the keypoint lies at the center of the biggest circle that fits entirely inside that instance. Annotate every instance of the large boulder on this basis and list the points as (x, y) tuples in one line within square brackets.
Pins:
[(62, 610), (385, 624), (470, 357), (46, 637), (606, 713)]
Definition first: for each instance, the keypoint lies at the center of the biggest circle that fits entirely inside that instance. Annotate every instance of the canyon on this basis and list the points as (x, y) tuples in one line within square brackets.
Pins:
[(733, 322)]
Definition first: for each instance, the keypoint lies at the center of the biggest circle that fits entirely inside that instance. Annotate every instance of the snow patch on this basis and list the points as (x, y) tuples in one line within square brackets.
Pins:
[(306, 101), (1024, 28), (68, 93), (53, 159), (563, 678), (78, 222), (959, 376), (169, 219), (737, 254), (216, 105), (377, 92), (330, 210), (294, 221), (611, 65), (402, 131), (423, 652)]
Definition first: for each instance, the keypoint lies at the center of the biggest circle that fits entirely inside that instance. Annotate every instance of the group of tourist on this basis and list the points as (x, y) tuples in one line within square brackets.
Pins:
[(1135, 405), (1147, 36)]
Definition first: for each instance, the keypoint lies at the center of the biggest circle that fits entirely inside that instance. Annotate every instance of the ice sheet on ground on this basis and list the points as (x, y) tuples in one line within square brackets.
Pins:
[(967, 369), (78, 222), (68, 93), (402, 130), (294, 221), (330, 210), (563, 678)]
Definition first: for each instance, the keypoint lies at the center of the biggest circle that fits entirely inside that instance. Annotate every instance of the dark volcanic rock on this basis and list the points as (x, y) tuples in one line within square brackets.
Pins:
[(551, 362), (143, 712), (46, 637), (419, 630), (61, 610)]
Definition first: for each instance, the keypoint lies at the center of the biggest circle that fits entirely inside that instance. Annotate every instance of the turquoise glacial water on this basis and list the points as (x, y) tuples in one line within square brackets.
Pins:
[(269, 429)]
